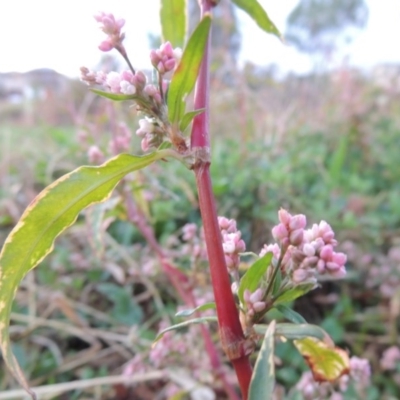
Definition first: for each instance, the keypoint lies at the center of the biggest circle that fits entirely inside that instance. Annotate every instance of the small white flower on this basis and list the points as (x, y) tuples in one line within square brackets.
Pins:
[(146, 126)]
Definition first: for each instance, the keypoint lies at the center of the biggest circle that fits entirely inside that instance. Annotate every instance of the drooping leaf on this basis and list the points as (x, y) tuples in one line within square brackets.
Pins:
[(263, 379), (202, 320), (251, 279), (188, 117), (184, 78), (290, 314), (48, 215), (294, 293), (296, 331), (327, 363), (173, 21), (254, 9), (189, 312)]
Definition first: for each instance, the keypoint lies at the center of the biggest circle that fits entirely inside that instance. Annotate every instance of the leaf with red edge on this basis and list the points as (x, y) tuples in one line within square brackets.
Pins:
[(326, 363)]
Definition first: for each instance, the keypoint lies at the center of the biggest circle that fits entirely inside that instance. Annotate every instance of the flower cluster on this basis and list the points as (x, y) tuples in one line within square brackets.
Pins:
[(305, 252), (149, 96), (194, 243), (165, 58), (360, 373), (232, 243), (254, 302), (112, 28), (390, 358)]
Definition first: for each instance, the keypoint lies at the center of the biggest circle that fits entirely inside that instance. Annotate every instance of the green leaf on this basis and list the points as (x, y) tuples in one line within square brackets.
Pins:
[(294, 293), (189, 312), (296, 331), (115, 96), (290, 314), (327, 363), (259, 15), (277, 282), (202, 320), (188, 117), (48, 215), (251, 279), (173, 21), (184, 78), (263, 378), (125, 310)]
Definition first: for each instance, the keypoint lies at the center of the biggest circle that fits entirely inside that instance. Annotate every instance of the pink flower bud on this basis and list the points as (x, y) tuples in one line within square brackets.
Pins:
[(167, 50), (279, 232), (256, 296), (297, 222), (229, 247), (308, 250), (284, 217), (95, 155), (106, 45), (141, 80), (154, 58), (326, 252), (169, 65), (259, 306), (296, 237), (246, 295)]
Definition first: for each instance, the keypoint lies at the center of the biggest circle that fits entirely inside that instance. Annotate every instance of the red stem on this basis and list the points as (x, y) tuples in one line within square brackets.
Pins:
[(231, 333)]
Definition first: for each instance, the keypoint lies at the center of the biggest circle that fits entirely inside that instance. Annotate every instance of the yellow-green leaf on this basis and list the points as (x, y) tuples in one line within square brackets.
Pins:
[(255, 11), (49, 214), (173, 21), (184, 78), (326, 363)]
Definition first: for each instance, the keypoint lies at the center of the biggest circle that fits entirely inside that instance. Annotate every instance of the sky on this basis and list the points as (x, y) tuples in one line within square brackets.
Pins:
[(63, 35)]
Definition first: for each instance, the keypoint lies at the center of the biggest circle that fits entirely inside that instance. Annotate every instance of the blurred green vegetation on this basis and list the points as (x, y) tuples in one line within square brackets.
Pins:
[(332, 155)]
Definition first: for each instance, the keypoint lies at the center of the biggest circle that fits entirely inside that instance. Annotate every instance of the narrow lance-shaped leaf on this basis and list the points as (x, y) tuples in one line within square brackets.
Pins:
[(294, 293), (297, 331), (263, 380), (254, 9), (49, 214), (290, 314), (189, 312), (173, 21), (184, 78), (188, 117), (115, 96), (194, 321), (253, 275)]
